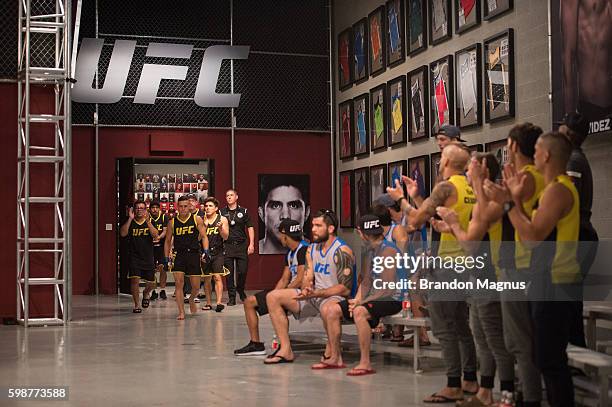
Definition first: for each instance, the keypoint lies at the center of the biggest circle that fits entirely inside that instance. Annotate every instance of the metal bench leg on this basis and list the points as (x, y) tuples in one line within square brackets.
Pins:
[(603, 390), (416, 349), (591, 333)]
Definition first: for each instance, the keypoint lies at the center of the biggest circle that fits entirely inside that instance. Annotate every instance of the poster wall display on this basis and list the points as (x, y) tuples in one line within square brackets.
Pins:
[(345, 59), (378, 44), (396, 91), (361, 125), (378, 117), (417, 26), (418, 113), (468, 89), (345, 129), (347, 199), (360, 51), (499, 76), (441, 90), (396, 43)]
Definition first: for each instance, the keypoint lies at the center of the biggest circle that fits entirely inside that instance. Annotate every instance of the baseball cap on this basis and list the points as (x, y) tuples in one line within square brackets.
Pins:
[(451, 132), (291, 228), (385, 200), (576, 122), (154, 202), (370, 225)]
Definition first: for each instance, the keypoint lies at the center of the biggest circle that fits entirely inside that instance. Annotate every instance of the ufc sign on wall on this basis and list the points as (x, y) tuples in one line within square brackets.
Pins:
[(152, 74)]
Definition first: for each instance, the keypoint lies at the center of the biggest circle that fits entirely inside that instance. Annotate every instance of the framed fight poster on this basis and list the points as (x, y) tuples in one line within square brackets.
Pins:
[(434, 163), (419, 171), (378, 117), (467, 15), (418, 104), (495, 8), (361, 125), (476, 148), (396, 46), (499, 149), (396, 100), (395, 170), (499, 76), (360, 51), (378, 181), (361, 191), (347, 200), (441, 90), (440, 21), (378, 44), (345, 129), (345, 59), (468, 89), (417, 26)]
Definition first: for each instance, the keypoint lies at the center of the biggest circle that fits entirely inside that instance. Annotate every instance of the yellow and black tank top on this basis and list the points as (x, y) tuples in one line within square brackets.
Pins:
[(215, 241), (159, 223), (185, 234), (449, 246), (141, 245), (561, 258), (522, 252)]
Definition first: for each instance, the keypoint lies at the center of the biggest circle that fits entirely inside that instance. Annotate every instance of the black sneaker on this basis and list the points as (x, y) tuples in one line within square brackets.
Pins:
[(242, 295), (162, 295), (252, 349), (219, 307), (153, 295), (231, 302), (201, 296)]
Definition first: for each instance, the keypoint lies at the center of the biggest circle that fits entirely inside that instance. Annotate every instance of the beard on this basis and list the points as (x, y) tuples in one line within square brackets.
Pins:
[(321, 238)]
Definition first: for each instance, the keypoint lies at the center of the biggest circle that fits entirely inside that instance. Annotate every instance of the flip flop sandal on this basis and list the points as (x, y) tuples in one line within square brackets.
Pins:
[(275, 352), (441, 399), (277, 362), (137, 311), (397, 338), (360, 372), (327, 366), (219, 307), (145, 303), (207, 307)]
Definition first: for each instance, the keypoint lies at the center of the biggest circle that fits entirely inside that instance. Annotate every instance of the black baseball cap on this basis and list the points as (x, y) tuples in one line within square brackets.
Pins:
[(451, 132), (576, 122), (291, 228), (370, 225)]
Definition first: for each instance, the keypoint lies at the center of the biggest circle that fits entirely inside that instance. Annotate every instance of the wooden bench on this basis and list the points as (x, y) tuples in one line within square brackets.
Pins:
[(593, 363), (592, 313), (320, 338)]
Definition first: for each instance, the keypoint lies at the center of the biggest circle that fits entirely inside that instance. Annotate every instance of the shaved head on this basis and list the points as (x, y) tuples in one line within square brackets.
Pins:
[(456, 155), (557, 146)]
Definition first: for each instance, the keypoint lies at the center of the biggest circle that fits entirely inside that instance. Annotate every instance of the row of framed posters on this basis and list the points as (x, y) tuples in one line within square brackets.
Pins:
[(448, 91), (360, 188), (398, 28)]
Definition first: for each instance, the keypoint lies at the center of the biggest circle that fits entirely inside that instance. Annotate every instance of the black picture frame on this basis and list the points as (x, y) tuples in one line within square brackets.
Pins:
[(418, 116), (499, 149), (440, 22), (377, 41), (345, 59), (378, 181), (360, 37), (395, 32), (345, 130), (378, 97), (395, 170), (503, 8), (423, 168), (347, 215), (434, 165), (361, 191), (463, 23), (476, 148), (417, 26), (498, 56), (361, 128), (396, 91), (441, 80), (468, 87)]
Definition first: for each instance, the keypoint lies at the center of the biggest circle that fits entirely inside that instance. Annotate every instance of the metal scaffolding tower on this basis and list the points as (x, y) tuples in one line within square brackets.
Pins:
[(49, 156)]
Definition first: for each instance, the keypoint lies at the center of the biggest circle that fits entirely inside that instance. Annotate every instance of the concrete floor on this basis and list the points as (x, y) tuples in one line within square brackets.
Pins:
[(111, 357)]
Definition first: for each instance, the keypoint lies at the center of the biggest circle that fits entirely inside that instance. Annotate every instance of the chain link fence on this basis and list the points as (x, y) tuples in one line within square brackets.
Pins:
[(284, 83)]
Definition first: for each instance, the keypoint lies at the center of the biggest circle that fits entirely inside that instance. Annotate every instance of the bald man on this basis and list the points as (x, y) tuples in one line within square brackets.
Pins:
[(449, 319)]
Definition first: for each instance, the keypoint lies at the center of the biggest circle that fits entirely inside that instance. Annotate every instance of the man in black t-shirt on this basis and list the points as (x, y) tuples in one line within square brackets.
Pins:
[(237, 246), (293, 273), (160, 221), (141, 232)]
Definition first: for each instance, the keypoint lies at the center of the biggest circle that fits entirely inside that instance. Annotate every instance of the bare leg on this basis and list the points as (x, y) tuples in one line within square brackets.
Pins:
[(148, 288), (252, 319), (195, 288), (179, 282), (331, 313), (163, 276), (135, 289), (208, 290), (361, 317), (278, 301), (218, 288)]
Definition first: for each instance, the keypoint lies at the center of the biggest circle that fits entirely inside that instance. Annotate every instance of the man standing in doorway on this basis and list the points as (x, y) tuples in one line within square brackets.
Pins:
[(237, 246)]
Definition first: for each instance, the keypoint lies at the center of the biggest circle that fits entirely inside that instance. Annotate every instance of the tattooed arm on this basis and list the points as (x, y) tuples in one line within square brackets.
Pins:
[(439, 197)]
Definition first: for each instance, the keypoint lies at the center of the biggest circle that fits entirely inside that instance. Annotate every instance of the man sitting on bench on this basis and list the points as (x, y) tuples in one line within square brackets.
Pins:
[(374, 298)]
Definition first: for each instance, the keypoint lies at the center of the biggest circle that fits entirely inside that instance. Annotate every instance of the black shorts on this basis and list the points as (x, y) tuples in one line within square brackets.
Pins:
[(158, 255), (262, 306), (215, 266), (377, 310), (142, 273), (188, 264)]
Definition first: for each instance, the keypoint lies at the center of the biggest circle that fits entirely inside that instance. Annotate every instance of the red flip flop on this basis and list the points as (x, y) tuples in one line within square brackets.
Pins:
[(327, 366), (360, 372)]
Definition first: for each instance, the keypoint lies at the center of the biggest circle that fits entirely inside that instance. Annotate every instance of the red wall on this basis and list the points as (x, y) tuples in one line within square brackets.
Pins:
[(256, 152)]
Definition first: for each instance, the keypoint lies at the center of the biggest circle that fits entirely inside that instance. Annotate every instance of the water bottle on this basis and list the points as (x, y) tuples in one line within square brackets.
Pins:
[(507, 399), (275, 343), (406, 312)]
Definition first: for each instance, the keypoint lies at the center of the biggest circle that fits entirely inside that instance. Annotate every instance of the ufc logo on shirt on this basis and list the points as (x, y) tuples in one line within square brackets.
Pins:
[(321, 268), (184, 230), (140, 232)]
